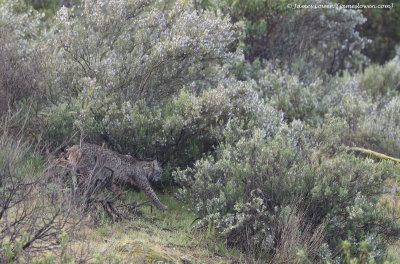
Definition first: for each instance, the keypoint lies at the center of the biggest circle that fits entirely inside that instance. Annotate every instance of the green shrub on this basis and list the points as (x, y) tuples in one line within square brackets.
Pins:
[(365, 256), (382, 127), (368, 102), (251, 181), (382, 28), (271, 32), (381, 80), (298, 100), (48, 7), (56, 124), (343, 98)]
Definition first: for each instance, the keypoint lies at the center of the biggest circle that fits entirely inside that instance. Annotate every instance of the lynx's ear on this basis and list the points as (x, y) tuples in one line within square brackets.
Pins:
[(155, 164)]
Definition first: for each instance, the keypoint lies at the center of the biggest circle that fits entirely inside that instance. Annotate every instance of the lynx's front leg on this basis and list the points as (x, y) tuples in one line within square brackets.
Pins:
[(144, 184)]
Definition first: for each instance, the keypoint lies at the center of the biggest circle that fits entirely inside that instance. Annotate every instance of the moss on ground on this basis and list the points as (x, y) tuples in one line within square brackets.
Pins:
[(139, 252)]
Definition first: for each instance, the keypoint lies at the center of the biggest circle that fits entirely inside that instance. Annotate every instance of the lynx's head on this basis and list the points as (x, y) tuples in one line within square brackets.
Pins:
[(154, 171)]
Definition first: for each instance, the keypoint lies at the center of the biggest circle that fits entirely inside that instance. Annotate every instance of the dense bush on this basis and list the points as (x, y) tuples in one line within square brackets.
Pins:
[(320, 49), (295, 98), (20, 62), (252, 181), (48, 7), (381, 81), (326, 40), (382, 127), (368, 102), (135, 50), (382, 27)]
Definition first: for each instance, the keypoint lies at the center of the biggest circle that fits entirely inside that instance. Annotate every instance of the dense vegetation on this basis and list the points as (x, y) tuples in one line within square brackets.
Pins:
[(253, 110)]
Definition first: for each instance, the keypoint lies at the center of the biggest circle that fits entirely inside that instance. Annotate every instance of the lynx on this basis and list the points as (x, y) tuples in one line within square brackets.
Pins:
[(120, 168)]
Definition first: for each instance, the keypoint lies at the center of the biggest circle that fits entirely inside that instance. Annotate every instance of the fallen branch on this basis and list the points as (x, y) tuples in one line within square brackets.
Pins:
[(374, 154)]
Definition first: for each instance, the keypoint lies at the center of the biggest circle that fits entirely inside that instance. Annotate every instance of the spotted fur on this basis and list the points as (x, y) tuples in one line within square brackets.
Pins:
[(123, 168)]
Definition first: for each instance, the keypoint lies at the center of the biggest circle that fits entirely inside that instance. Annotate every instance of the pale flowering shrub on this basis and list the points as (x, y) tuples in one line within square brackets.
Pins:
[(297, 99), (244, 189), (347, 101), (136, 50), (308, 100), (21, 21), (20, 60)]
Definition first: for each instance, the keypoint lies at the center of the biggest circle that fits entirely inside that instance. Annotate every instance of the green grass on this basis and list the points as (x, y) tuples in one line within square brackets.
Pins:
[(394, 253), (156, 235)]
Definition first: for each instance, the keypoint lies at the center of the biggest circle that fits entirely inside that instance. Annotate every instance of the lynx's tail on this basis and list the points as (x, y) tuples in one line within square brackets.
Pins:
[(145, 186)]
